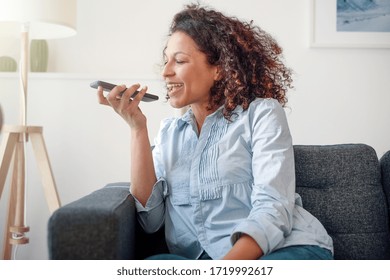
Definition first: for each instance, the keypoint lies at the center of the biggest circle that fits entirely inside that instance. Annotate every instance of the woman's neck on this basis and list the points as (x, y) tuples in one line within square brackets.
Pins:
[(200, 114)]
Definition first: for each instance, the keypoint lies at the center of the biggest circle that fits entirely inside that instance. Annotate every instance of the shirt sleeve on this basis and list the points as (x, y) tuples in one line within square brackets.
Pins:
[(151, 217), (273, 193)]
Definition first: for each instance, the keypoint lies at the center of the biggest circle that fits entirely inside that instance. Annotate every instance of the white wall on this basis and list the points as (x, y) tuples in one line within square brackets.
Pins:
[(340, 95)]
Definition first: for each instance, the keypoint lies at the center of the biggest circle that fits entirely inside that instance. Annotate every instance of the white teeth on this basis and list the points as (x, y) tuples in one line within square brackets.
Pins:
[(170, 87)]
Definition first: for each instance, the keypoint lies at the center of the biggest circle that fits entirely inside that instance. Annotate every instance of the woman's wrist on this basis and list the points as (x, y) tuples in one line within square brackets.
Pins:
[(246, 248)]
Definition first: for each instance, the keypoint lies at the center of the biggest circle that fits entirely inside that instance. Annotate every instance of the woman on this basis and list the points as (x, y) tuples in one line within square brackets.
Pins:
[(221, 178)]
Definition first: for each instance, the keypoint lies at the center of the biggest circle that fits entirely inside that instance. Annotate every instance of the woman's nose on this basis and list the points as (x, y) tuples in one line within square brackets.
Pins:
[(167, 70)]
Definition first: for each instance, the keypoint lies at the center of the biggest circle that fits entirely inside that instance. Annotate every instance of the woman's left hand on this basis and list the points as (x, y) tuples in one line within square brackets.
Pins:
[(120, 100)]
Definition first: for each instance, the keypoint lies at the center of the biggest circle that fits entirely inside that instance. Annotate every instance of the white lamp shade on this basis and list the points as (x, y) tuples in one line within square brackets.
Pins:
[(47, 19)]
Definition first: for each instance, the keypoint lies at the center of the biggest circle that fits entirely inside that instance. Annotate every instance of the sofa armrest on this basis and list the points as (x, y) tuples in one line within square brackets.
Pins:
[(385, 169), (100, 225)]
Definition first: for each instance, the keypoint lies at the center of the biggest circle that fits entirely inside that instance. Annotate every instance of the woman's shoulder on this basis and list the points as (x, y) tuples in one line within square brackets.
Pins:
[(174, 123), (168, 123), (265, 111), (265, 103), (261, 106)]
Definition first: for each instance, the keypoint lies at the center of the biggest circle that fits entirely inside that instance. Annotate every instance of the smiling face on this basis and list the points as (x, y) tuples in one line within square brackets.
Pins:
[(187, 73)]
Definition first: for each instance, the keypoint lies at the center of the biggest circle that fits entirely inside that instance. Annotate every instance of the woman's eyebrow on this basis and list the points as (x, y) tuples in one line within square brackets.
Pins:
[(181, 52), (177, 53)]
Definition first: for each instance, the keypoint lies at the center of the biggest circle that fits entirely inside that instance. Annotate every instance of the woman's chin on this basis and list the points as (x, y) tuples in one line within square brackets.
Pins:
[(176, 104)]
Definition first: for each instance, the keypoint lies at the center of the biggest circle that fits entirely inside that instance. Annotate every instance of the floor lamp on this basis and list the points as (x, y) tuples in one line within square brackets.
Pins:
[(35, 19)]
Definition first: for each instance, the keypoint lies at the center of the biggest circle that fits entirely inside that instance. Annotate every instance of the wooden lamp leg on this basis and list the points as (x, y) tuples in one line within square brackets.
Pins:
[(7, 152), (49, 185), (7, 247), (13, 145), (15, 230)]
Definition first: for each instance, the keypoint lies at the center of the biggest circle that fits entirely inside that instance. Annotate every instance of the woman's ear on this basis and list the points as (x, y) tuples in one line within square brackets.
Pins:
[(218, 75)]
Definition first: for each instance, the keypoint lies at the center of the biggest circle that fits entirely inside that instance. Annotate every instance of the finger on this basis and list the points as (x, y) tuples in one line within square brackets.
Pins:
[(137, 99), (102, 100), (133, 102), (129, 93), (115, 94)]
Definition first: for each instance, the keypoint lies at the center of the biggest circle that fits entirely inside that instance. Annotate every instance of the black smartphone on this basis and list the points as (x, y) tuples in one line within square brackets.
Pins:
[(108, 87)]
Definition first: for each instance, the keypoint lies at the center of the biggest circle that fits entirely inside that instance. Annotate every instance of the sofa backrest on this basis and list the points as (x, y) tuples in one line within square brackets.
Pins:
[(341, 185)]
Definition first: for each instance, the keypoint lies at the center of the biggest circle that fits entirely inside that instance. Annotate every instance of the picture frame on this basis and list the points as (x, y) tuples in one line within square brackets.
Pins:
[(324, 31)]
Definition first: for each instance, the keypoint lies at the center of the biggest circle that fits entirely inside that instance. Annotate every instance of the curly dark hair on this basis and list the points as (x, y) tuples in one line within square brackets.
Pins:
[(249, 59)]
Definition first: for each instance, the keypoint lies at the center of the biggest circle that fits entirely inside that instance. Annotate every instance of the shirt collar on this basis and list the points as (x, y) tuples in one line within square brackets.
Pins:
[(188, 116)]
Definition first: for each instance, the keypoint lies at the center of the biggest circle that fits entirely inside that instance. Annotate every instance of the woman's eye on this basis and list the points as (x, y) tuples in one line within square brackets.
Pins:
[(179, 61)]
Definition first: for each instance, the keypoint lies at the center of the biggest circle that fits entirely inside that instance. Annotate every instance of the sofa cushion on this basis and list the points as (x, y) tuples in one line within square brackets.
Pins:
[(341, 186)]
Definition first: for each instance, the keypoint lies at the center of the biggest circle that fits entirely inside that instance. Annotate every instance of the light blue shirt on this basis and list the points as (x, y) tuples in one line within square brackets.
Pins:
[(233, 178)]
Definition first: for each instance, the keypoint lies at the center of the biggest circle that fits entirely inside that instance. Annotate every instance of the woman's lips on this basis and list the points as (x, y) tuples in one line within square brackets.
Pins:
[(173, 87)]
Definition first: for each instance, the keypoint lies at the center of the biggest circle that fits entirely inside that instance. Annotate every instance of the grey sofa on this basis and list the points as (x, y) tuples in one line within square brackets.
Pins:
[(345, 186)]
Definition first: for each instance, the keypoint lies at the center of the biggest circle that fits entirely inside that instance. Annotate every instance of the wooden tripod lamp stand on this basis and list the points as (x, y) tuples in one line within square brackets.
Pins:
[(39, 19)]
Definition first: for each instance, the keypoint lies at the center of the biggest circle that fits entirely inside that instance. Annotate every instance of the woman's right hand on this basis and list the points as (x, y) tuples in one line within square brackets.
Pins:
[(126, 107)]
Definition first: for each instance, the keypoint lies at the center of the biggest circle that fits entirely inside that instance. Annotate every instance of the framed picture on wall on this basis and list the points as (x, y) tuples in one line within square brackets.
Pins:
[(350, 23)]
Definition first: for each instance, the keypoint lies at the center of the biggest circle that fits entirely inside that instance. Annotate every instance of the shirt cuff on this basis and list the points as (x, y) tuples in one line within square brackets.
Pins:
[(159, 192), (252, 229)]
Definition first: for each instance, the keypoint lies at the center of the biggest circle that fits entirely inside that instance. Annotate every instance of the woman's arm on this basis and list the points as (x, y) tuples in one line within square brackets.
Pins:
[(273, 189), (142, 170), (246, 248), (143, 176)]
